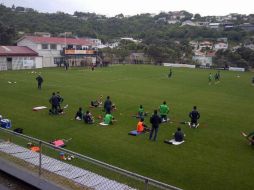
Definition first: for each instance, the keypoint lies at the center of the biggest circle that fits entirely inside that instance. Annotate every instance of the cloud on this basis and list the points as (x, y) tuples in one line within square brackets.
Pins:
[(132, 7)]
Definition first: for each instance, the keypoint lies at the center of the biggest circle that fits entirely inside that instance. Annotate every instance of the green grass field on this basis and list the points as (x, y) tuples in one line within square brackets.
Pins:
[(215, 156)]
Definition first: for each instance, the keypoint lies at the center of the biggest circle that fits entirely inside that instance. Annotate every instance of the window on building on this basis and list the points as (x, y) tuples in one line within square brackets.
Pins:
[(69, 46), (44, 46), (52, 46), (78, 47)]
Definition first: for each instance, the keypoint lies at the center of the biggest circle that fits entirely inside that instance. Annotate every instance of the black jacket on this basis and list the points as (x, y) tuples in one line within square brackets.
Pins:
[(194, 115), (107, 104), (39, 79), (155, 120)]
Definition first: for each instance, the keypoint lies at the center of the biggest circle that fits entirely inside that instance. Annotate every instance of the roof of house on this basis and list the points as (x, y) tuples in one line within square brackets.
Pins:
[(206, 43), (17, 51), (57, 40)]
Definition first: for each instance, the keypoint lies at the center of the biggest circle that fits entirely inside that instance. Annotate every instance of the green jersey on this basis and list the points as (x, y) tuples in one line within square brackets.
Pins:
[(141, 111), (164, 110), (108, 118), (210, 77)]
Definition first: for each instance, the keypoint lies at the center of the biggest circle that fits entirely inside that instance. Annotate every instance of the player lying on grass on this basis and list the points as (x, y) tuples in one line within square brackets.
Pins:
[(250, 137), (141, 126), (96, 103)]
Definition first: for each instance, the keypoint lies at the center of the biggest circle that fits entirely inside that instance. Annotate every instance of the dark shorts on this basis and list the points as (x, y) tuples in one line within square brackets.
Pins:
[(164, 117), (194, 121)]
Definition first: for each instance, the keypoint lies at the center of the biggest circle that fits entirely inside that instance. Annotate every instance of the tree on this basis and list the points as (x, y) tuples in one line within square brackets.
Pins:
[(7, 34), (197, 16)]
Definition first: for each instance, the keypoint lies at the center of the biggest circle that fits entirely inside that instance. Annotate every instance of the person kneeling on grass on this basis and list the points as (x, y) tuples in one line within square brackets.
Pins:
[(250, 137), (179, 135), (108, 119), (164, 110), (194, 115), (141, 112), (79, 114), (88, 118), (141, 127)]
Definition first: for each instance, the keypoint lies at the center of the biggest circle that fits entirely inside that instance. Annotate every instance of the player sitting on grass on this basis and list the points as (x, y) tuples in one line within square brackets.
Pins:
[(164, 110), (108, 119), (88, 118), (194, 115), (79, 114), (250, 137), (141, 127), (141, 113), (178, 135), (178, 138)]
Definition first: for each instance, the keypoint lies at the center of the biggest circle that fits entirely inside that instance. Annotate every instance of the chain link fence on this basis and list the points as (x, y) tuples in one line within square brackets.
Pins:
[(69, 169)]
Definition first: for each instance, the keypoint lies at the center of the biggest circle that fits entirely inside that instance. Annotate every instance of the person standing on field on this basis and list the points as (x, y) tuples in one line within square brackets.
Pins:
[(39, 81), (155, 120)]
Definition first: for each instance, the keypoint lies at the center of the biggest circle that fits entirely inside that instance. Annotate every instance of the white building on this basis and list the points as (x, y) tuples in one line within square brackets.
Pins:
[(173, 21), (251, 46), (214, 25), (203, 60), (130, 39), (15, 58), (189, 23), (220, 45), (50, 48)]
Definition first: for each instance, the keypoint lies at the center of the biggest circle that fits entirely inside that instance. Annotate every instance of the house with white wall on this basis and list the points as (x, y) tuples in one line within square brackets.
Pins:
[(50, 48), (205, 45), (19, 57), (220, 45)]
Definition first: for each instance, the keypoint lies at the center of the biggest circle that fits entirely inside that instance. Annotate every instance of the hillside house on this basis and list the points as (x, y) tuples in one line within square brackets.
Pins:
[(214, 25), (220, 45), (189, 23), (205, 45)]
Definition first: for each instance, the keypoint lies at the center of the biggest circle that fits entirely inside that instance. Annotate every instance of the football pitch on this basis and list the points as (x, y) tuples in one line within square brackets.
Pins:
[(214, 157)]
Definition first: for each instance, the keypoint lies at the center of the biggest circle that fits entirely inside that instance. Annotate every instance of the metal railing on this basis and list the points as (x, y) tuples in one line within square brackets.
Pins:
[(48, 165)]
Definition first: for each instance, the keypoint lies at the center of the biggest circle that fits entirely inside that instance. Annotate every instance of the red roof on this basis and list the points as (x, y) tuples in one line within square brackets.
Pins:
[(56, 40), (16, 51)]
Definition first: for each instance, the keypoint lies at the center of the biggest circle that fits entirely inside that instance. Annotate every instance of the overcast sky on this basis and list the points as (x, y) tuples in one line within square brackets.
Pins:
[(133, 7)]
